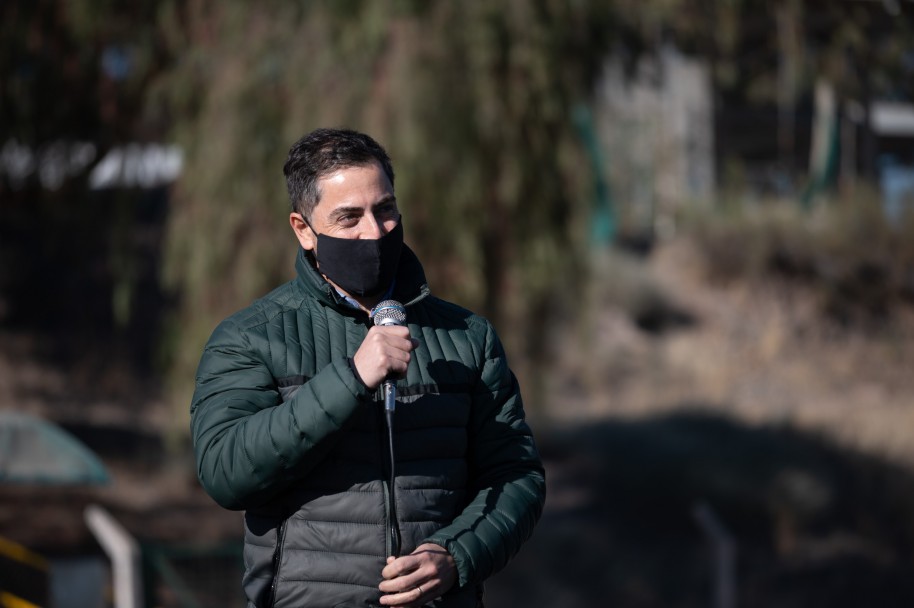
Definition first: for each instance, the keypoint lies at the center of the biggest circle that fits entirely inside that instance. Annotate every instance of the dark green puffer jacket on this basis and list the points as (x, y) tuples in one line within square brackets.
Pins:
[(283, 429)]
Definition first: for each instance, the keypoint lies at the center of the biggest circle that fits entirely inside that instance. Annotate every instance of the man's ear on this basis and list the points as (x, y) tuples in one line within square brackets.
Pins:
[(302, 231)]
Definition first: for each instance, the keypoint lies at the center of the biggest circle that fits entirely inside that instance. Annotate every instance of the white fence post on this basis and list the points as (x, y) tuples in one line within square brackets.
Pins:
[(124, 553), (724, 549)]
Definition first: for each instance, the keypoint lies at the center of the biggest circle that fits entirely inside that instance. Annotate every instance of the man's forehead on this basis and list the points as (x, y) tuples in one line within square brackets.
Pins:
[(354, 187), (337, 173), (337, 176)]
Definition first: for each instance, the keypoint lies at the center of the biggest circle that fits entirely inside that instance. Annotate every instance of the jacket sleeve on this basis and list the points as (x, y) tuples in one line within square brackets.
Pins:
[(248, 444), (508, 480)]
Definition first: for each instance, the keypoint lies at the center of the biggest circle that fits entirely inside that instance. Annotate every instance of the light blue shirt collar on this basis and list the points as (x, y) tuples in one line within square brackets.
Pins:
[(353, 304)]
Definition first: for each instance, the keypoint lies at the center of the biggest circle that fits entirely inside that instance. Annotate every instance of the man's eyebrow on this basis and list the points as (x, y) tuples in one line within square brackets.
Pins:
[(341, 211), (390, 198)]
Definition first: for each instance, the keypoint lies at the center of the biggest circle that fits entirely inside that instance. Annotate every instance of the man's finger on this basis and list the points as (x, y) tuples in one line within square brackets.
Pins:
[(398, 566), (410, 597)]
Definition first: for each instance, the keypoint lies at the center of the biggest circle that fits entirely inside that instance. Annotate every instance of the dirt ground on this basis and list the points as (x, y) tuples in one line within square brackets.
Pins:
[(760, 352)]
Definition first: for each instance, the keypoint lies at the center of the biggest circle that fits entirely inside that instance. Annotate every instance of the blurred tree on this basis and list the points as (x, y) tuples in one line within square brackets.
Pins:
[(473, 100), (767, 57), (73, 80)]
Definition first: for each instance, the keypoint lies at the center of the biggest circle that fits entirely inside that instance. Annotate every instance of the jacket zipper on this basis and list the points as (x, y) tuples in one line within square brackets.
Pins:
[(387, 533), (277, 560), (394, 541), (385, 473)]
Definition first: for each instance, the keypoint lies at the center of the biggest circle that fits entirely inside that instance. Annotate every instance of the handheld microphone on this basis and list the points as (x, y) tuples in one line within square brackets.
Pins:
[(389, 312)]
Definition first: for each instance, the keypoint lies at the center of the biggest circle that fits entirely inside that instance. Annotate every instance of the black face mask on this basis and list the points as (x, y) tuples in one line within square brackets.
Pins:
[(361, 267)]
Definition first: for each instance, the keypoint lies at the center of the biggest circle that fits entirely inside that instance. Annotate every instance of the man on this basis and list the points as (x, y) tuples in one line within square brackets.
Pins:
[(287, 422)]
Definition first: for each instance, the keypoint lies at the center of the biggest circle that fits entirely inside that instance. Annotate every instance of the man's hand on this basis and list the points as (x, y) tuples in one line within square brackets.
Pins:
[(384, 352), (418, 578)]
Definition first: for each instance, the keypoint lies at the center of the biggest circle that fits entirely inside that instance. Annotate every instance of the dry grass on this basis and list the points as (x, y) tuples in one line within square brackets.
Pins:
[(748, 339)]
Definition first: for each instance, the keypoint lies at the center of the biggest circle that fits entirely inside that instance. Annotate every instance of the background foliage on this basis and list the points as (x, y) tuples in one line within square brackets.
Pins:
[(476, 118), (474, 100)]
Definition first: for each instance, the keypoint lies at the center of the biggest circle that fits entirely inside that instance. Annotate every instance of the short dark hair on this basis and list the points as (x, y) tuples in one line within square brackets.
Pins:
[(323, 151)]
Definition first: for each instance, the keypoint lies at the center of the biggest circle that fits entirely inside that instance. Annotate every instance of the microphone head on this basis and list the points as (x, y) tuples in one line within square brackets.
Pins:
[(389, 312)]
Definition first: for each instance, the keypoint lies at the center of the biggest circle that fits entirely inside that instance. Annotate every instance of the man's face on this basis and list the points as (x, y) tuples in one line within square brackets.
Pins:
[(356, 203)]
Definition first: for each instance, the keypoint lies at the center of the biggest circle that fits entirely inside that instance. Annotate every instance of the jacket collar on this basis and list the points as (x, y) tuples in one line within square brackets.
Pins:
[(410, 283)]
